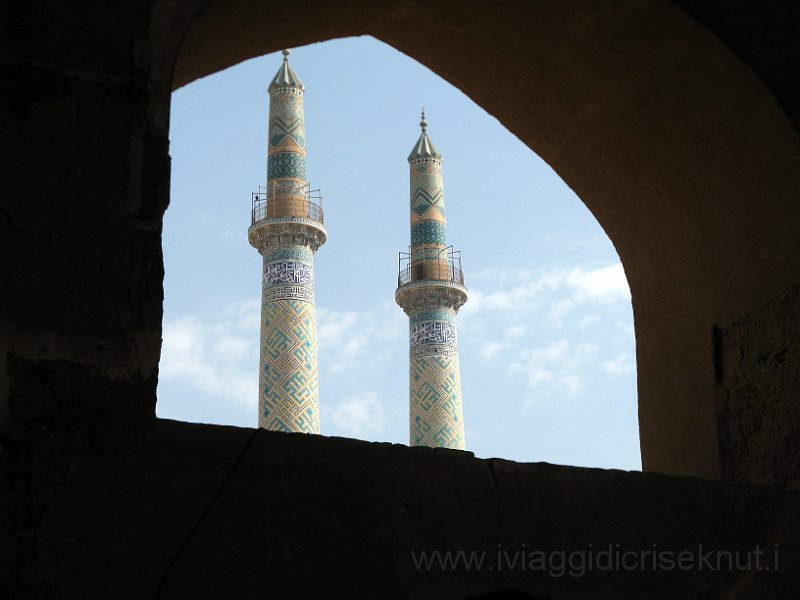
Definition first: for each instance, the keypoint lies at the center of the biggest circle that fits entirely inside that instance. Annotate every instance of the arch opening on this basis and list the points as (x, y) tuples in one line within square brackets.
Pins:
[(546, 339), (669, 140)]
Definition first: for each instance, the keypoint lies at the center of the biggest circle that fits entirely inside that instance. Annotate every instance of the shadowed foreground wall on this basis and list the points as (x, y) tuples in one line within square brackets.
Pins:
[(193, 514), (677, 134)]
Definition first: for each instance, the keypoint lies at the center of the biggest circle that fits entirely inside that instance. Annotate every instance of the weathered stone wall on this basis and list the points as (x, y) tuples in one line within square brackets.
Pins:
[(218, 512), (686, 159), (758, 395), (84, 170)]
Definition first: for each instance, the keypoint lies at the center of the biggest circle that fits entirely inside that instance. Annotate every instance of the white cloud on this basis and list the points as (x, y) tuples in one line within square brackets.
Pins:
[(489, 350), (508, 290), (586, 322), (349, 340), (604, 283), (619, 365), (342, 336), (362, 416), (215, 356), (556, 372), (514, 332)]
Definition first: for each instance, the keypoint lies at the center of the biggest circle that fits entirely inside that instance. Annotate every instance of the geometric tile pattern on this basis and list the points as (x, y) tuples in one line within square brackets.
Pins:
[(288, 384), (288, 392), (427, 190), (280, 129), (286, 119), (429, 232), (436, 416), (286, 164), (422, 201)]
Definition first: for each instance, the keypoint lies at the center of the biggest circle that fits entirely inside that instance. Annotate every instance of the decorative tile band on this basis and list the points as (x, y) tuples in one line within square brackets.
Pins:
[(435, 332), (436, 414), (428, 232), (433, 350), (422, 201), (288, 292), (427, 191), (286, 119), (288, 380), (442, 314), (426, 253), (290, 272), (302, 254), (286, 164)]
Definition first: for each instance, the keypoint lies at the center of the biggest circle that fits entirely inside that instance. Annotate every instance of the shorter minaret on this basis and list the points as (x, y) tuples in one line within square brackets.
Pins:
[(430, 291)]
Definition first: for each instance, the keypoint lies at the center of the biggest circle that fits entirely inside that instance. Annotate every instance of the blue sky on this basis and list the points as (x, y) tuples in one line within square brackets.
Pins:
[(546, 339)]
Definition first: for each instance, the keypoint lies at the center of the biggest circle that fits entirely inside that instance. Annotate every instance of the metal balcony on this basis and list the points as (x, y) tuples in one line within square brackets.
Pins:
[(419, 265), (286, 200)]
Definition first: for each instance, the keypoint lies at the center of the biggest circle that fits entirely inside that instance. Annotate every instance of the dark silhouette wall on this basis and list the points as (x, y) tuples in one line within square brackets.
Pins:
[(676, 124)]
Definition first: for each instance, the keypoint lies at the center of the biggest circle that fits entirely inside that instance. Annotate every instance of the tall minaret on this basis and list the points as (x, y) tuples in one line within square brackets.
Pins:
[(430, 291), (287, 229)]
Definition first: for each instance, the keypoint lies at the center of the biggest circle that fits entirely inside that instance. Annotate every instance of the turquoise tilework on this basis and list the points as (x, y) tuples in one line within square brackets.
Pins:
[(288, 382), (422, 200), (300, 253), (441, 314), (436, 408), (286, 164), (428, 232), (286, 119)]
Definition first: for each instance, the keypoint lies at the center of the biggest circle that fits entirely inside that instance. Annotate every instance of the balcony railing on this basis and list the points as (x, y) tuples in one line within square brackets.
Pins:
[(286, 199), (428, 264)]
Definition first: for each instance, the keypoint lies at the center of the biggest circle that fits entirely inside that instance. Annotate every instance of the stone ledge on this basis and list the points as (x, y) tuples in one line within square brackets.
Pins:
[(207, 511)]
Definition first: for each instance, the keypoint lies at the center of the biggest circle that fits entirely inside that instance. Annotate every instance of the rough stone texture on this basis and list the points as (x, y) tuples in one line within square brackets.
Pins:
[(84, 172), (758, 412), (763, 33), (213, 512)]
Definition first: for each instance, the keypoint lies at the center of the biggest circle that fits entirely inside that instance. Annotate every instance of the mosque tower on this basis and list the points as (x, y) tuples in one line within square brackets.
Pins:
[(287, 229), (430, 291)]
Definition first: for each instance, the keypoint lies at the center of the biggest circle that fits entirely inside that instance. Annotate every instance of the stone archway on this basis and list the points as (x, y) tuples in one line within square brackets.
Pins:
[(672, 143), (677, 148)]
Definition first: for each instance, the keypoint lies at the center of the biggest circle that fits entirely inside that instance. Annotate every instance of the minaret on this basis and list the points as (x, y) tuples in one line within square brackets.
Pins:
[(287, 229), (430, 291)]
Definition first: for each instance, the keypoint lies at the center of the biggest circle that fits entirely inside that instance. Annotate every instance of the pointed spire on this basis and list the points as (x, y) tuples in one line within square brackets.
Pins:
[(424, 148), (285, 77)]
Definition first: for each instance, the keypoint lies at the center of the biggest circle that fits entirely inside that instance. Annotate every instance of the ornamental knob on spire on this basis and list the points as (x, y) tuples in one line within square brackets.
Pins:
[(424, 148), (285, 77)]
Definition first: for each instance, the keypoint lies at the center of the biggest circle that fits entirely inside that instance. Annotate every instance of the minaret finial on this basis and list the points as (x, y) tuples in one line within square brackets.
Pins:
[(285, 53), (422, 122)]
